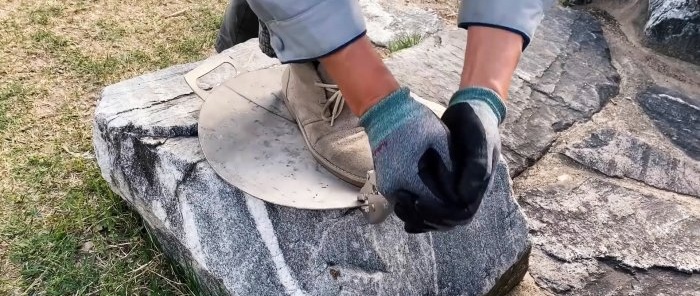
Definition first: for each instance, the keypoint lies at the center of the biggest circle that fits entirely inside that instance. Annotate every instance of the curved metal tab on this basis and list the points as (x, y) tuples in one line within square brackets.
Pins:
[(204, 69), (377, 208)]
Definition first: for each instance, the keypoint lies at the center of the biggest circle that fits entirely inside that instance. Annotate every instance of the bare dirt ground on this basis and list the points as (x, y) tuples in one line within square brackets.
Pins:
[(446, 9)]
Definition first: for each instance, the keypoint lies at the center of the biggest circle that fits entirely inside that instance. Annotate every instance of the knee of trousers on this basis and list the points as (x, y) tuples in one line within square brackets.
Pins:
[(303, 30)]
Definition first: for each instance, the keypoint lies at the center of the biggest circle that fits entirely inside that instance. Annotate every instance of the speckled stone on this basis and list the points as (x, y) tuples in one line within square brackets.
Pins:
[(388, 21), (147, 148), (145, 138), (620, 154), (676, 115), (673, 28)]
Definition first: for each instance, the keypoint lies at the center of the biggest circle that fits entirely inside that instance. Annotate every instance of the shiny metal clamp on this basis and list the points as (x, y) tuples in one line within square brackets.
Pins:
[(376, 208)]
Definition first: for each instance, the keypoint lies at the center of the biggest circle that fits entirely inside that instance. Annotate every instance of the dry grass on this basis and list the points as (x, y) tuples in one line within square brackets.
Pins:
[(62, 231)]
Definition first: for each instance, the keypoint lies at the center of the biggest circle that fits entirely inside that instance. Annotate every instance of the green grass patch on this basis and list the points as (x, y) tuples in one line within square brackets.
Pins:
[(90, 242), (105, 69), (191, 48), (11, 93), (62, 230), (206, 23), (403, 42), (108, 30), (69, 234), (207, 20), (95, 70), (49, 41), (50, 263), (43, 16)]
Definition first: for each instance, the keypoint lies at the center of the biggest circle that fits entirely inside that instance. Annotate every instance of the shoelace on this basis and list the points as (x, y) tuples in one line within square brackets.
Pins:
[(334, 105)]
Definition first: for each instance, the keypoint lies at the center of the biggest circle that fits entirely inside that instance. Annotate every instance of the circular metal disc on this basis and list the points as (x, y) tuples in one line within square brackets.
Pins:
[(252, 143)]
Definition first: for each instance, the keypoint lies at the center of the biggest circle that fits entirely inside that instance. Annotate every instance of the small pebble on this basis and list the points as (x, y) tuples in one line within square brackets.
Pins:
[(564, 178)]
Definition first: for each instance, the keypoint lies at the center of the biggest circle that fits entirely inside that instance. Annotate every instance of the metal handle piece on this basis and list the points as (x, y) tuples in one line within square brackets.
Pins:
[(204, 69), (435, 107), (376, 207)]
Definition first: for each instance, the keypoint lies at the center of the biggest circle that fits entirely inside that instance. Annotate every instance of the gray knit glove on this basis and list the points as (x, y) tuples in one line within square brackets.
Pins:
[(409, 143), (472, 118), (434, 189)]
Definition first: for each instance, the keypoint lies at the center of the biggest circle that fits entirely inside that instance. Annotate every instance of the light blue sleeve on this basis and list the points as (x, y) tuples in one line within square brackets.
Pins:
[(303, 30), (518, 16)]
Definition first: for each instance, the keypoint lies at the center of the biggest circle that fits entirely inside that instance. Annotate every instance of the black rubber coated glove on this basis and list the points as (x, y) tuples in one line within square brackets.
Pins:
[(472, 119), (401, 131)]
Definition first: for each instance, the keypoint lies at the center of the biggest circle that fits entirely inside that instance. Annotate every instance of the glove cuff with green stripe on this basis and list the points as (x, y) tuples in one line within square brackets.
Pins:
[(476, 96), (390, 114)]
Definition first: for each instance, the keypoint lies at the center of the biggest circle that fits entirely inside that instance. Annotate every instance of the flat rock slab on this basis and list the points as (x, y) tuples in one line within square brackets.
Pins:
[(565, 76), (390, 20), (676, 115), (592, 218), (147, 148), (591, 235), (620, 154), (614, 212)]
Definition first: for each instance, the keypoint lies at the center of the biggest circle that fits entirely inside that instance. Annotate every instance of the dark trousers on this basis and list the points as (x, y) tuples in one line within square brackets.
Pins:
[(240, 24)]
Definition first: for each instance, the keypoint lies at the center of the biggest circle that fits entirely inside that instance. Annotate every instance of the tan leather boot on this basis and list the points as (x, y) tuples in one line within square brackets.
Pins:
[(332, 133)]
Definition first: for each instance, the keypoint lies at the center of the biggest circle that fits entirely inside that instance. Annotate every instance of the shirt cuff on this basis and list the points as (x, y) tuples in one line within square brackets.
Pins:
[(519, 16)]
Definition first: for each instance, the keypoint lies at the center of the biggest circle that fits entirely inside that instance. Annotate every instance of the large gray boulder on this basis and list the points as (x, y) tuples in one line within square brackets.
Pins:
[(145, 137), (673, 28)]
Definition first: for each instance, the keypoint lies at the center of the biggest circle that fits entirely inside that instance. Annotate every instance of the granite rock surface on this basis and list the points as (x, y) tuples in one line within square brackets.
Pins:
[(145, 137), (620, 154), (612, 207), (673, 28), (565, 76), (594, 234), (390, 20), (676, 115)]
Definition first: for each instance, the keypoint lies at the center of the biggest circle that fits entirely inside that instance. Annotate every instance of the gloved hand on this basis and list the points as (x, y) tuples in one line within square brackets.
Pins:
[(434, 189), (472, 118), (404, 134)]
